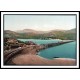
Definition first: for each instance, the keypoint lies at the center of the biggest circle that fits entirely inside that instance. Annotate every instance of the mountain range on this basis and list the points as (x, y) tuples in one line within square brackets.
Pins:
[(30, 33)]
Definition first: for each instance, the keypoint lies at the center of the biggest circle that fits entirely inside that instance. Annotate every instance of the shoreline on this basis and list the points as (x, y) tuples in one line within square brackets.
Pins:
[(28, 56), (37, 60)]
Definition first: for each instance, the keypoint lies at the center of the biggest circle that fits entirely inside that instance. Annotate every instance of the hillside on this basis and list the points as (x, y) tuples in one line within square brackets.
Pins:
[(33, 34), (30, 31), (8, 33), (71, 31)]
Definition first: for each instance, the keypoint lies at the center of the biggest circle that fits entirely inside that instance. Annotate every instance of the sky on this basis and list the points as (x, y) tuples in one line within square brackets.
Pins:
[(39, 22)]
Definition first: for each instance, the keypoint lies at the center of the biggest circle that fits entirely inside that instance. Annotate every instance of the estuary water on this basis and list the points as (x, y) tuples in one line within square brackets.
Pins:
[(67, 50), (40, 41)]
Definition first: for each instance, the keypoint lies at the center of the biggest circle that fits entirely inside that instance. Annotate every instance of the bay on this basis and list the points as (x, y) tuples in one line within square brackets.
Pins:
[(67, 50), (62, 51), (40, 41)]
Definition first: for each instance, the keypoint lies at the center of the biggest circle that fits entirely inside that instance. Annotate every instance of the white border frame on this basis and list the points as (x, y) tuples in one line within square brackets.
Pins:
[(77, 66)]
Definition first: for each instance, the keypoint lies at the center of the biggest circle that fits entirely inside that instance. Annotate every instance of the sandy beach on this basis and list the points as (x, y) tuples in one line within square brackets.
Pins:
[(28, 57), (36, 60)]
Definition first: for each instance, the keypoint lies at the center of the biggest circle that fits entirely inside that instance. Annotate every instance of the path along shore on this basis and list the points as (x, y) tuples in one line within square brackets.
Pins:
[(28, 56)]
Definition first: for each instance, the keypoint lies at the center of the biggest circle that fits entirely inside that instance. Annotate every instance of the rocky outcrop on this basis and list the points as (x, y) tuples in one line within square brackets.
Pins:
[(30, 43), (10, 43)]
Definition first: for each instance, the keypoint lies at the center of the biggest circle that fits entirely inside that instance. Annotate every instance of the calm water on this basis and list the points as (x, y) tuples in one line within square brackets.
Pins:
[(63, 51), (38, 41)]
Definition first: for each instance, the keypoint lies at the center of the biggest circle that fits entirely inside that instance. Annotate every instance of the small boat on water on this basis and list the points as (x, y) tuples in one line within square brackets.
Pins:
[(55, 57)]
